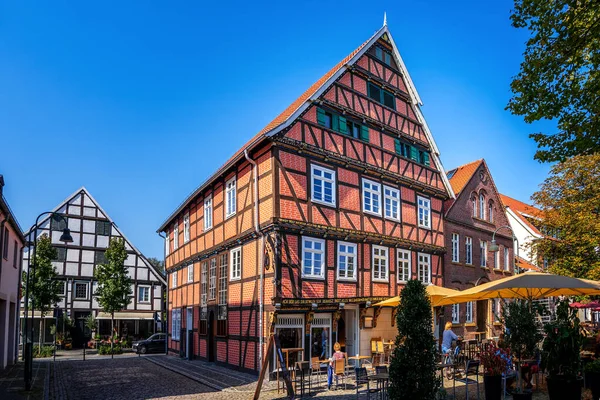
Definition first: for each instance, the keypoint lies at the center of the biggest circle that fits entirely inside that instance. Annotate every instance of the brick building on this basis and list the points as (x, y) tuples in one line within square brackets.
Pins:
[(470, 221), (329, 209)]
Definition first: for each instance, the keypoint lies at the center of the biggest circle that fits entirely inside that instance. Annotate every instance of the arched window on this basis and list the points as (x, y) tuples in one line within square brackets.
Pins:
[(474, 200), (491, 211), (481, 206)]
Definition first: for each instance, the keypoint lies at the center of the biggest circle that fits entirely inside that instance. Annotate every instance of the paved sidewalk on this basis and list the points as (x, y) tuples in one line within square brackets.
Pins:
[(12, 384)]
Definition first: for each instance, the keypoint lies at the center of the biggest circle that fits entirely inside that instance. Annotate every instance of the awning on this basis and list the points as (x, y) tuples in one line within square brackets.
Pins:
[(37, 314), (127, 315)]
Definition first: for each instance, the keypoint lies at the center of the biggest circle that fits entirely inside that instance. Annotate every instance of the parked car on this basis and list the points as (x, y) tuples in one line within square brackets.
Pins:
[(155, 343)]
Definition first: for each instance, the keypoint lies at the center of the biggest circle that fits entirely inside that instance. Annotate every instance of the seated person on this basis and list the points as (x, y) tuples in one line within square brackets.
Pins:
[(337, 355)]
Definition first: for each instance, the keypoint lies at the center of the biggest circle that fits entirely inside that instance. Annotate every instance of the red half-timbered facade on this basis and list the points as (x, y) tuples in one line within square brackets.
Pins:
[(328, 210)]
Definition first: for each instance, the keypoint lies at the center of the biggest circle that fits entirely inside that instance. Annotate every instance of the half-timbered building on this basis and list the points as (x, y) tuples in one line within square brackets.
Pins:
[(470, 222), (332, 207), (92, 229)]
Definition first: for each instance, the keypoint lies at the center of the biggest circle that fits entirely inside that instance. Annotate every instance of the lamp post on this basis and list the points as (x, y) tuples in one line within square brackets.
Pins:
[(28, 337), (494, 246)]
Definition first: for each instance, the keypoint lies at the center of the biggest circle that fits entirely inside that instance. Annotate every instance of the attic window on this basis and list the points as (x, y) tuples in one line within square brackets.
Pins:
[(382, 96), (383, 55)]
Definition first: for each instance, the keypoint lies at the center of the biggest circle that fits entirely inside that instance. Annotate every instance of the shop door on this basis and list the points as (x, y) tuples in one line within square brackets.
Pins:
[(189, 326), (482, 315), (351, 332)]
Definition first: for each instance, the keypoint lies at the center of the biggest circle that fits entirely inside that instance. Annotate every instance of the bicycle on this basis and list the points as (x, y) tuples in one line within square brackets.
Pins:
[(450, 359)]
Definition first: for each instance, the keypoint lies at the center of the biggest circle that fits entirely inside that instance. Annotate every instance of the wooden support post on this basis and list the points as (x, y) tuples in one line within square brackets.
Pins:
[(274, 342)]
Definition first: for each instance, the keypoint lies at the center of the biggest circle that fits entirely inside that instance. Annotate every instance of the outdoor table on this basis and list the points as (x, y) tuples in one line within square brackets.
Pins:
[(441, 367), (358, 360), (382, 379)]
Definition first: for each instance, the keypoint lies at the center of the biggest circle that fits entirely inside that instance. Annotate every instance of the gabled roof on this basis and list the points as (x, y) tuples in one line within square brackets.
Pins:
[(83, 190), (460, 176), (523, 211), (526, 265), (290, 114)]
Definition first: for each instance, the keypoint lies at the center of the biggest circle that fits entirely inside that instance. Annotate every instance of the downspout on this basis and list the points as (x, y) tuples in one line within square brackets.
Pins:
[(18, 322), (260, 259), (166, 325), (2, 245)]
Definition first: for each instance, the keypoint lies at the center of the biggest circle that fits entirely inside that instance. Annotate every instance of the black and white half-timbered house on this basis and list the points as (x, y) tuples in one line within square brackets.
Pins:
[(92, 229)]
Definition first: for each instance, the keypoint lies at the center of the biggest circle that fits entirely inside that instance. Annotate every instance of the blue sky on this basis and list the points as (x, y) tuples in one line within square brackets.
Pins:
[(141, 101)]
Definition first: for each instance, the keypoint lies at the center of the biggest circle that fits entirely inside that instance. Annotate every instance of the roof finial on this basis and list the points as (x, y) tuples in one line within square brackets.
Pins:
[(384, 19)]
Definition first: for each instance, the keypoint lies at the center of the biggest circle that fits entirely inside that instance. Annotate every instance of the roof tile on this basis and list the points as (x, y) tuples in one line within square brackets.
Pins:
[(460, 176)]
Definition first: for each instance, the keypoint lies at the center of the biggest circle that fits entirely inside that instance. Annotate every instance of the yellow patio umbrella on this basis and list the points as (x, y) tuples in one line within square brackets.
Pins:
[(437, 295), (530, 285)]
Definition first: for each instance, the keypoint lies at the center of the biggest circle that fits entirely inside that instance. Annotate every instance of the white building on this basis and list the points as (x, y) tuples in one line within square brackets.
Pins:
[(92, 229)]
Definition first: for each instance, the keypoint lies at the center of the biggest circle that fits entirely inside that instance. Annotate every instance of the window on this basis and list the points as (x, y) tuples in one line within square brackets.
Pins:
[(468, 250), (353, 129), (383, 55), (483, 253), (474, 200), (497, 260), (424, 158), (313, 254), (347, 260), (62, 285), (230, 198), (174, 279), (425, 268), (81, 290), (324, 118), (222, 312), (424, 212), (208, 211), (402, 149), (403, 265), (167, 245), (175, 236), (496, 309), (371, 197), (186, 228), (455, 313), (61, 254), (491, 212), (455, 247), (99, 256), (5, 244), (469, 312), (56, 223), (203, 284), (190, 273), (212, 280), (143, 294), (15, 254), (506, 259), (380, 264), (382, 96), (176, 324), (391, 201), (103, 228), (342, 125), (481, 206), (323, 185), (236, 263)]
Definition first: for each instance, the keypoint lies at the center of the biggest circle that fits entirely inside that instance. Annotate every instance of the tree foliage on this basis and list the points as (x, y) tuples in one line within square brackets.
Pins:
[(559, 78), (412, 369), (158, 264), (570, 203)]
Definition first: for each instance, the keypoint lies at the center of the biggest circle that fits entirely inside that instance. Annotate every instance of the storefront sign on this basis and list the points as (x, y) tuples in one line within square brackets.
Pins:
[(333, 300)]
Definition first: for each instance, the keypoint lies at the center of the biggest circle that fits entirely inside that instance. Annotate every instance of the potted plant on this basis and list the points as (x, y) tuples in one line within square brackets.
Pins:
[(592, 377), (560, 354), (522, 337), (494, 361)]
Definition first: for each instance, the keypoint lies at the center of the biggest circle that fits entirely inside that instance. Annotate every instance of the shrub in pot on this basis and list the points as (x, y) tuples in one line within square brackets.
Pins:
[(494, 361), (592, 377), (560, 354), (522, 336)]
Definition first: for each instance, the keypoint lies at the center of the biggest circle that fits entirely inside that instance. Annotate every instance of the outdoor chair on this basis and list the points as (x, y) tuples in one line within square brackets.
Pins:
[(302, 378), (349, 367), (362, 379), (315, 369), (472, 369), (379, 369), (339, 370), (376, 350)]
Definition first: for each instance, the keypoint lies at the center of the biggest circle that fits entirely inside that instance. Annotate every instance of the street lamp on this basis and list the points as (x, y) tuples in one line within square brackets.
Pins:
[(28, 345), (494, 246)]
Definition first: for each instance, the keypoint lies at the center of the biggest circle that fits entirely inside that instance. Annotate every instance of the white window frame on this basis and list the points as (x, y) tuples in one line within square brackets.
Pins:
[(375, 197), (208, 213), (474, 200), (87, 290), (506, 259), (212, 279), (324, 181), (190, 273), (236, 264), (176, 324), (497, 260), (483, 253), (403, 263), (176, 235), (424, 208), (469, 312), (311, 250), (491, 212), (63, 293), (424, 265), (496, 310), (230, 198), (140, 299), (167, 245), (174, 279), (186, 228), (378, 261), (455, 247), (468, 250), (391, 195), (456, 313), (348, 255), (481, 206), (203, 283)]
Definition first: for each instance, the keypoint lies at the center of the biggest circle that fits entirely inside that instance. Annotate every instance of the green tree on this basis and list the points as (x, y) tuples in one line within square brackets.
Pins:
[(158, 264), (413, 369), (44, 289), (559, 77), (114, 285), (570, 203)]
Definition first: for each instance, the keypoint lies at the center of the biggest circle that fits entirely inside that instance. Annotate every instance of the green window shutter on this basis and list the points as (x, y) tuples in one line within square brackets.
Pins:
[(364, 133), (426, 159), (398, 146), (321, 116), (335, 123), (414, 153), (343, 128)]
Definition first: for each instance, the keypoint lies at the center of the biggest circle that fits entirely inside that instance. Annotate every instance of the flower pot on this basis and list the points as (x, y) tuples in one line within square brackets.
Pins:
[(522, 396), (564, 388), (493, 387)]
